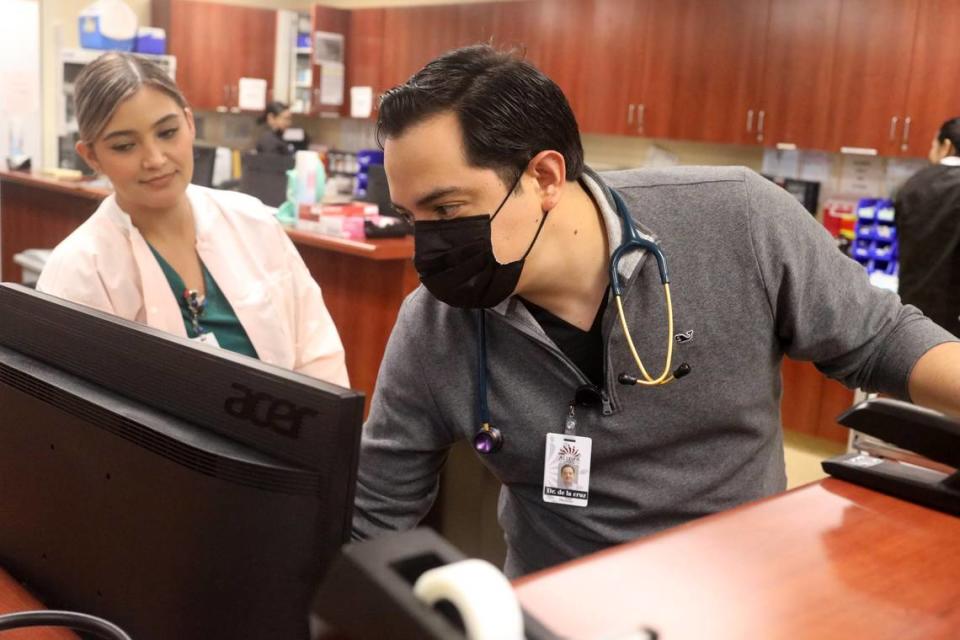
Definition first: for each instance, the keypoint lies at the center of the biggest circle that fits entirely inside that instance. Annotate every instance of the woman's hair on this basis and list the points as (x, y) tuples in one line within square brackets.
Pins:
[(274, 108), (950, 130), (109, 80)]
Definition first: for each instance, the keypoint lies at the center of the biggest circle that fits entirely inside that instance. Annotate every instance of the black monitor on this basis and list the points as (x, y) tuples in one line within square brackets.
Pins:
[(264, 175), (176, 489), (204, 157)]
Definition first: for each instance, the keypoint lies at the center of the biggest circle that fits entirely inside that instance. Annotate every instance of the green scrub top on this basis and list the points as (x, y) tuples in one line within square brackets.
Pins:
[(217, 317)]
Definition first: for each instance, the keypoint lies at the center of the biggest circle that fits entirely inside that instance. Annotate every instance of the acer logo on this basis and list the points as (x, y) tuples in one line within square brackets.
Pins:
[(267, 412)]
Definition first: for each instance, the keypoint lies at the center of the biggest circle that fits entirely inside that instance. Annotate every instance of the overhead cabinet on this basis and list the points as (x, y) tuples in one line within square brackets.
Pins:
[(218, 44), (874, 76)]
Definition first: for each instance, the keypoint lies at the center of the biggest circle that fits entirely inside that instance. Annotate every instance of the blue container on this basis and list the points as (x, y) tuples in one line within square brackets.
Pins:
[(151, 40), (91, 37)]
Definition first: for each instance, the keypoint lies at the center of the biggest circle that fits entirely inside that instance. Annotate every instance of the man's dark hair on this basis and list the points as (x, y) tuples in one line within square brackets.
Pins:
[(950, 130), (508, 110)]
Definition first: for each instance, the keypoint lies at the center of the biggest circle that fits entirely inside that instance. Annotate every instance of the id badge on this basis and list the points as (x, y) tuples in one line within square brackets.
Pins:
[(566, 470), (206, 338)]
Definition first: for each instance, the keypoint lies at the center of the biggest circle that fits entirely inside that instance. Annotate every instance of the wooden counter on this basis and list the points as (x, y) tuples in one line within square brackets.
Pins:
[(14, 599), (363, 285), (828, 560)]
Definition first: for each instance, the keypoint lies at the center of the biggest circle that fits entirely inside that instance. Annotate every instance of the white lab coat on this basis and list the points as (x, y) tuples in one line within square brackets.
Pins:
[(106, 264)]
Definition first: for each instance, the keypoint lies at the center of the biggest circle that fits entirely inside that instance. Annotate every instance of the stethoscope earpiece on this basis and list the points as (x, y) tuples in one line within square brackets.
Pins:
[(488, 439), (679, 372)]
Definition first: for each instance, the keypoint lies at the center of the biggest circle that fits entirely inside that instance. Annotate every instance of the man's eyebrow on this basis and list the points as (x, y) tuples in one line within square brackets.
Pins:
[(130, 132), (437, 194)]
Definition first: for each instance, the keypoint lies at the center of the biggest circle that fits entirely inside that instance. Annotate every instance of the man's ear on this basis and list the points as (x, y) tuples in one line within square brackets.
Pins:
[(85, 151), (549, 169)]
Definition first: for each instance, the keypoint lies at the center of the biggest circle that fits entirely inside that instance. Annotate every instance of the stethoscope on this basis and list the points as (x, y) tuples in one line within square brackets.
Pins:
[(488, 438)]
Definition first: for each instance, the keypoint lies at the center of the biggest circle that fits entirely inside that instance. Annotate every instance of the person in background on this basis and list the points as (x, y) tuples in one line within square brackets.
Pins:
[(516, 339), (278, 119), (928, 223), (214, 266)]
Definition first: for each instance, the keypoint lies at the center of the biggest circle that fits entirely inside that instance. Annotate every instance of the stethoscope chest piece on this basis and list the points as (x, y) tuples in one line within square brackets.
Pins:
[(487, 439)]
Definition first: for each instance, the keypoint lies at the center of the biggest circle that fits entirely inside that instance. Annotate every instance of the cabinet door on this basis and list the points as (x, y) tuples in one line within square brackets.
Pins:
[(412, 36), (872, 67), (933, 94), (209, 67), (611, 68), (703, 64), (798, 74), (505, 25), (330, 20), (203, 84), (365, 51)]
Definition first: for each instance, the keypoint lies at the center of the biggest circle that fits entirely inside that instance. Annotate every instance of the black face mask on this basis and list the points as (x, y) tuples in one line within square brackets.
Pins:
[(456, 263)]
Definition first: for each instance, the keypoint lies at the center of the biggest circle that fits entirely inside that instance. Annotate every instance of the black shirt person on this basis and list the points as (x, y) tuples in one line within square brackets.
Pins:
[(928, 221), (278, 119)]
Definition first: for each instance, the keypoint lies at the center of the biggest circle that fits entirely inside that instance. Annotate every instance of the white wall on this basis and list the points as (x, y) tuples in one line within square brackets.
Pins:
[(20, 98), (59, 30)]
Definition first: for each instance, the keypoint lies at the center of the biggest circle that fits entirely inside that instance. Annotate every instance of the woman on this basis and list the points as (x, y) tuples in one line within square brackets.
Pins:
[(278, 119), (211, 265), (928, 224)]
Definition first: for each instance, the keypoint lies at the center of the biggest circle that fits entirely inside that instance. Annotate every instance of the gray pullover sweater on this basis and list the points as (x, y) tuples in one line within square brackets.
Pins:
[(753, 277)]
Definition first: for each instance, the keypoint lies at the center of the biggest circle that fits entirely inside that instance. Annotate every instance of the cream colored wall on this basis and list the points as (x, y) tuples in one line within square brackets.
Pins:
[(59, 30)]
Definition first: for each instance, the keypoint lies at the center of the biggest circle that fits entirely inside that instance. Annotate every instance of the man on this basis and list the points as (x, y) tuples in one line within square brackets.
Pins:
[(928, 223), (483, 152)]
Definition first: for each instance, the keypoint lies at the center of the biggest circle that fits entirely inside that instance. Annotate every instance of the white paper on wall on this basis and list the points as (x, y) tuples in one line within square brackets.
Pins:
[(361, 102), (331, 83), (252, 94)]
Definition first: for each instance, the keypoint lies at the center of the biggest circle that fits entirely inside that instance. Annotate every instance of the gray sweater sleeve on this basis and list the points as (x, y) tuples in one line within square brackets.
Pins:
[(404, 442), (823, 305)]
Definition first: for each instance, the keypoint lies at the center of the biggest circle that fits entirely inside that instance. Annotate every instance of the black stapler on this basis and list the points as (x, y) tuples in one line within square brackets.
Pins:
[(922, 431)]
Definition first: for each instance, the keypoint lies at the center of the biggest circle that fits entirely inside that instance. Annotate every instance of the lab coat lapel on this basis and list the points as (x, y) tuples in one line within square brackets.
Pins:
[(159, 305), (233, 266)]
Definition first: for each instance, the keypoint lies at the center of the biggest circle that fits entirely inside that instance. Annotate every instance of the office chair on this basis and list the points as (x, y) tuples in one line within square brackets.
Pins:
[(203, 157), (264, 175)]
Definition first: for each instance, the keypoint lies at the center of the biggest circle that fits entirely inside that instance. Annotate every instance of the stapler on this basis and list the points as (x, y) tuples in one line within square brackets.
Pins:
[(925, 432)]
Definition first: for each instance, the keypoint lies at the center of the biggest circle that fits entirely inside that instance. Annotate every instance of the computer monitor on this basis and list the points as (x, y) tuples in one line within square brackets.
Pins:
[(203, 159), (175, 489), (264, 175)]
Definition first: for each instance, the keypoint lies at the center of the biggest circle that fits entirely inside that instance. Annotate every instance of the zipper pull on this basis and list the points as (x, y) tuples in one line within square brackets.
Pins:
[(607, 405), (570, 426)]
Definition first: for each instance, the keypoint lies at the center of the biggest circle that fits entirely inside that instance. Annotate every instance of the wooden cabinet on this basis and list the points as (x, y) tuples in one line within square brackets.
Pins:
[(702, 69), (933, 94), (216, 45), (412, 36), (872, 68), (798, 73), (365, 52), (611, 99)]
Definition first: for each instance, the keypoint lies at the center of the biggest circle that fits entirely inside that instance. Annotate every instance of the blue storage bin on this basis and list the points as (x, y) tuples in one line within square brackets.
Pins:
[(108, 25), (151, 40)]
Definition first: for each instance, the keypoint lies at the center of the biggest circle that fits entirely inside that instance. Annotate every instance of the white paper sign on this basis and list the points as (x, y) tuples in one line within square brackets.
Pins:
[(816, 166), (361, 102), (252, 95), (331, 83)]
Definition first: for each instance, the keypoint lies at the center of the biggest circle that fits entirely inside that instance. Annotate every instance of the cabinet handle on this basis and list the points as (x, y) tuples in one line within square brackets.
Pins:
[(893, 128), (630, 111), (760, 120), (906, 134), (641, 110), (750, 121)]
